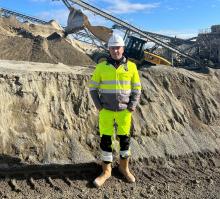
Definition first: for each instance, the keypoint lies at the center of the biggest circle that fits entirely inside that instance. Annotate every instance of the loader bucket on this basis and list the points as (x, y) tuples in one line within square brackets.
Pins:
[(76, 21), (101, 32)]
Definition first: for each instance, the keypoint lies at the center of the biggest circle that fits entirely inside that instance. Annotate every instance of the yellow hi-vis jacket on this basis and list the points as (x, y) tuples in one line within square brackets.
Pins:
[(113, 88)]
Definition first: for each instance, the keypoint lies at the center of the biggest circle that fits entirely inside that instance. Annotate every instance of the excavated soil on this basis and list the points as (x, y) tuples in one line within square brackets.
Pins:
[(19, 41), (39, 49), (11, 26)]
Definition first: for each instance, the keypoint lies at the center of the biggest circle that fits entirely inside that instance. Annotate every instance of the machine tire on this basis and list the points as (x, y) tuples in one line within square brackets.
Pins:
[(99, 57)]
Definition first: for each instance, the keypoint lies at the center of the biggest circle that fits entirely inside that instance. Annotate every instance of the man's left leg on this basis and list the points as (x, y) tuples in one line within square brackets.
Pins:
[(123, 120)]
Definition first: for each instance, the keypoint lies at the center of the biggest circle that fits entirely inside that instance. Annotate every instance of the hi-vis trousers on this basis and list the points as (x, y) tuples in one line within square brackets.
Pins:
[(111, 122)]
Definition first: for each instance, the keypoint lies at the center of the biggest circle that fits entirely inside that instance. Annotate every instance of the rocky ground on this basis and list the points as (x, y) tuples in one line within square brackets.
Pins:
[(196, 177)]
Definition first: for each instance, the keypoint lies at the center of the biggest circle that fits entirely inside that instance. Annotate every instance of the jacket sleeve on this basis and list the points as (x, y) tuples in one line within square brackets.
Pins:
[(135, 90), (94, 88)]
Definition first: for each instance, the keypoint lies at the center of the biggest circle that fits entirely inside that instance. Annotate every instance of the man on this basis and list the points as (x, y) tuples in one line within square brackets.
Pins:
[(115, 89)]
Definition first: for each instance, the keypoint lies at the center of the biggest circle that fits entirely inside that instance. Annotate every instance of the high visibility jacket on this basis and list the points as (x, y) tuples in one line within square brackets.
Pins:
[(115, 88)]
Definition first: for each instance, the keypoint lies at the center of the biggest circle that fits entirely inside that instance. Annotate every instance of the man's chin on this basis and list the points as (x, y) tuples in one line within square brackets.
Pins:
[(116, 57)]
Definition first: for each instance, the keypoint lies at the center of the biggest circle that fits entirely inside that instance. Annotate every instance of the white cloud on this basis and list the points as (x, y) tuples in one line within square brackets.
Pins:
[(112, 6), (124, 6), (51, 2)]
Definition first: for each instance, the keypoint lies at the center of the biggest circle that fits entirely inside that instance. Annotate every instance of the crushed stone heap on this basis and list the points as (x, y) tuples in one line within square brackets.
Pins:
[(19, 41)]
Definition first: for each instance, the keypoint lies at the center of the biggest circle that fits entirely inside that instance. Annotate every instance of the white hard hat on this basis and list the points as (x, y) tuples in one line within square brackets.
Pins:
[(116, 40)]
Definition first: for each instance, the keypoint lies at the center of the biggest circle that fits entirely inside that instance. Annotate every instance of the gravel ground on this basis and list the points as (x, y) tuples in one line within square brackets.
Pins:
[(196, 176)]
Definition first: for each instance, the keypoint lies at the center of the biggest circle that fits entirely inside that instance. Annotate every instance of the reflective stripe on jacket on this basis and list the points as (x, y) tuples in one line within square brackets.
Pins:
[(115, 88)]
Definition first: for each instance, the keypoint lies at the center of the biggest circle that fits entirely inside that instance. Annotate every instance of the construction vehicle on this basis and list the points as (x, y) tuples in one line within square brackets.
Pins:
[(134, 50), (135, 38)]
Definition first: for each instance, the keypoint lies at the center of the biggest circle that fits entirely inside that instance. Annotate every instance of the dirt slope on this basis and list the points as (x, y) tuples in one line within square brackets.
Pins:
[(178, 112), (38, 43)]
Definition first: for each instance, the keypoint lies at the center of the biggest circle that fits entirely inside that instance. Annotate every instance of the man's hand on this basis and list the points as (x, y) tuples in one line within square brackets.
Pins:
[(131, 109), (100, 109)]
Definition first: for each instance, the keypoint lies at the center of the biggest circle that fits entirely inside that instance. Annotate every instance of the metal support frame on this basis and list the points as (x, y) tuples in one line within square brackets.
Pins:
[(142, 34), (21, 17)]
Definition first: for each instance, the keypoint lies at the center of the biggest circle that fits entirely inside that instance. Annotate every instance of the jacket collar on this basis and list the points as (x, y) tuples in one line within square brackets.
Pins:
[(116, 63)]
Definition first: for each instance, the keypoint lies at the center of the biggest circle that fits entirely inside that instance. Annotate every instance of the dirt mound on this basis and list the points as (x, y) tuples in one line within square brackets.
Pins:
[(54, 36), (178, 114), (38, 43), (54, 24), (39, 49), (7, 25), (10, 26)]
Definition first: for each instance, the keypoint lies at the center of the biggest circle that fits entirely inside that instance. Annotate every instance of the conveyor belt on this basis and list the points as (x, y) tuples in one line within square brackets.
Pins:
[(160, 36), (131, 28), (23, 16)]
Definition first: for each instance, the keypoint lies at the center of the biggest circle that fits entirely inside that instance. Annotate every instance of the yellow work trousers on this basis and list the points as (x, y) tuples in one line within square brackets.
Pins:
[(108, 119)]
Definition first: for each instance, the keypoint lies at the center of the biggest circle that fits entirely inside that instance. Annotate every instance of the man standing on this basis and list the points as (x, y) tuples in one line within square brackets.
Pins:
[(115, 89)]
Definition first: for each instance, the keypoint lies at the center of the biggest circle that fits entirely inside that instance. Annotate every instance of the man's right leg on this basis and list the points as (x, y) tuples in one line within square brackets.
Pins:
[(106, 156), (106, 121)]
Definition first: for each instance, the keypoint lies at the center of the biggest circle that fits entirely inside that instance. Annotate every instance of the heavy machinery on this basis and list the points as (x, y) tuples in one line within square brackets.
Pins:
[(136, 38), (134, 49), (136, 52)]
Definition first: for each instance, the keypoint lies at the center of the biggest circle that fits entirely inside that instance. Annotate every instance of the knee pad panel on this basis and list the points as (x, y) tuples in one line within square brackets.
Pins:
[(124, 142), (106, 143)]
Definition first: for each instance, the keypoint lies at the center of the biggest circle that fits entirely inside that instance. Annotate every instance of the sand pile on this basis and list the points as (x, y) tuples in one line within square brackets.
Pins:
[(7, 25), (27, 42), (11, 26), (39, 49)]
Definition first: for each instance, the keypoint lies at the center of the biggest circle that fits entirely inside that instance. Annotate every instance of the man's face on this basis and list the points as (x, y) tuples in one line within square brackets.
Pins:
[(116, 52)]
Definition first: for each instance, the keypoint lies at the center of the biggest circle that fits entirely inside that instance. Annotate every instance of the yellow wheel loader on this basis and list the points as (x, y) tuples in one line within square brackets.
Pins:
[(134, 50)]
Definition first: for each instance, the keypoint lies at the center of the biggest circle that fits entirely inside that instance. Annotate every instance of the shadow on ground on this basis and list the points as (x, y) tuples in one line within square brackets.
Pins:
[(11, 168)]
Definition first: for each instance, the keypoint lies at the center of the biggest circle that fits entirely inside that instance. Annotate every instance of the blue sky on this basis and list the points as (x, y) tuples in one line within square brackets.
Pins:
[(182, 18)]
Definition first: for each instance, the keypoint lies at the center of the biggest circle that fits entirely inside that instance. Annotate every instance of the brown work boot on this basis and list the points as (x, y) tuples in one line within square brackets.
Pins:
[(106, 173), (123, 168)]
